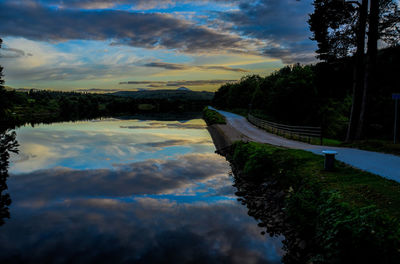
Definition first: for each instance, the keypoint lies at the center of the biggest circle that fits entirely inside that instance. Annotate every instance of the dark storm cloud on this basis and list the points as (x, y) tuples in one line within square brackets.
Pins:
[(175, 66), (179, 83), (282, 24), (146, 30)]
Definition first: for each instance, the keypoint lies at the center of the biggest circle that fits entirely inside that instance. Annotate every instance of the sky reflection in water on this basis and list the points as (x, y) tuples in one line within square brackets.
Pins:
[(126, 191)]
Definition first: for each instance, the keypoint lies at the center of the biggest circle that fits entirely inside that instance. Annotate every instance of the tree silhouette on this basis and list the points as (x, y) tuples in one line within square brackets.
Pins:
[(340, 27), (2, 93), (8, 144)]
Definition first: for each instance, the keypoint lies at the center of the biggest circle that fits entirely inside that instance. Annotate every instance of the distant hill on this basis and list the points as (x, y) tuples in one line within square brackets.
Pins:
[(183, 89), (181, 93)]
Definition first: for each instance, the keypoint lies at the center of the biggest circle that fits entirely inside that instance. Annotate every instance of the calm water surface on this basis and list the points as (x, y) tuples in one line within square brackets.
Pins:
[(126, 191)]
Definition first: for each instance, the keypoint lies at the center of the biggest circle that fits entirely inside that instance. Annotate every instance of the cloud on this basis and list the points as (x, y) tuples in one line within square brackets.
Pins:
[(167, 143), (146, 177), (142, 82), (155, 125), (179, 83), (71, 73), (281, 24), (146, 230), (175, 66), (102, 144), (168, 66), (11, 53), (174, 142), (155, 85), (296, 52), (197, 82), (134, 4), (145, 30), (222, 68)]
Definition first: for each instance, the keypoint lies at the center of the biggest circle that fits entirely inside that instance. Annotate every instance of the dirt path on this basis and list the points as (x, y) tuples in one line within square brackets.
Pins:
[(385, 165)]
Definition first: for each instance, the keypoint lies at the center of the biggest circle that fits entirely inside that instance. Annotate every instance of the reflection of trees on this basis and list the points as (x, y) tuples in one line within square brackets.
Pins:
[(8, 144), (265, 202)]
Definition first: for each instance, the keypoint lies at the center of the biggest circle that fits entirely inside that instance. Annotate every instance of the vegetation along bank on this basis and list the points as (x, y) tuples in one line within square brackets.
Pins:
[(213, 117), (343, 216)]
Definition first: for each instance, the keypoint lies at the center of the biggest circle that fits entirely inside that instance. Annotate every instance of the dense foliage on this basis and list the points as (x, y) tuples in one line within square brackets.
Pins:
[(335, 25), (316, 95), (213, 117), (45, 106), (344, 216)]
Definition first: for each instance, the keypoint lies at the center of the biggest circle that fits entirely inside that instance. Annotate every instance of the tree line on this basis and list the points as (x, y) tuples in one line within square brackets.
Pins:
[(319, 94), (353, 29), (342, 92), (41, 106)]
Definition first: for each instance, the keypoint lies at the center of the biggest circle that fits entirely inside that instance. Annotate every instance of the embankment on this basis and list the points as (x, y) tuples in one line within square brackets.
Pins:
[(222, 134), (343, 216)]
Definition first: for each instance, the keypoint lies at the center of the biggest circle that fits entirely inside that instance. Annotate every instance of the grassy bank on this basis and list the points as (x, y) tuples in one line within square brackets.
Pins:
[(213, 117), (344, 216)]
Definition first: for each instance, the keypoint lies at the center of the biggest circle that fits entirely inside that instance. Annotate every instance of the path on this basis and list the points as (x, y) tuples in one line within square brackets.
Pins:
[(385, 165)]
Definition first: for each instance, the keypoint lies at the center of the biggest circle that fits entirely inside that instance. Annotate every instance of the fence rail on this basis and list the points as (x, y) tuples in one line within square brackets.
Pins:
[(295, 132)]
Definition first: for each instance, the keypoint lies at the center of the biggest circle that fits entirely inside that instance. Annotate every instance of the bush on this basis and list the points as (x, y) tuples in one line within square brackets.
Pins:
[(213, 117)]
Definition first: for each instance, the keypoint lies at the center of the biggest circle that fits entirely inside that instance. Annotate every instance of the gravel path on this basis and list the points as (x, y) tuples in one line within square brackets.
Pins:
[(385, 165)]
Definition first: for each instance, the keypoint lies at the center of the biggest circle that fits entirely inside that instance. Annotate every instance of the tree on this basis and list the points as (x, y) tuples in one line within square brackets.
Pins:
[(332, 24), (2, 92), (8, 144), (339, 27)]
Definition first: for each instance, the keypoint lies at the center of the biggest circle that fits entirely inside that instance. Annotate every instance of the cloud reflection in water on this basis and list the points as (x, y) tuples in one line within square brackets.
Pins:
[(92, 145), (162, 206)]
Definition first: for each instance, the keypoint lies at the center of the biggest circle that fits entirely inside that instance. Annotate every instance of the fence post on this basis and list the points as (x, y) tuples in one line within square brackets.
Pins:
[(301, 133), (321, 136)]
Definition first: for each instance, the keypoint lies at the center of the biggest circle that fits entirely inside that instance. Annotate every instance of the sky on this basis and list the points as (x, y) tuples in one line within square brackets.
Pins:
[(107, 45)]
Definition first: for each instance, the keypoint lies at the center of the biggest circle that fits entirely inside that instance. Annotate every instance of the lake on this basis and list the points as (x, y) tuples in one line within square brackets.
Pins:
[(126, 190)]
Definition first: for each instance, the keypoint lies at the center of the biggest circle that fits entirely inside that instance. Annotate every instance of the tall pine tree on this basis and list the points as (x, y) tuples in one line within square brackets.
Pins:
[(340, 29)]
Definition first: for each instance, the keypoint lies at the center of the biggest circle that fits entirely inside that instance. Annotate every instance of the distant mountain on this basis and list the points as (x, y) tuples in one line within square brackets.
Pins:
[(181, 93), (183, 89)]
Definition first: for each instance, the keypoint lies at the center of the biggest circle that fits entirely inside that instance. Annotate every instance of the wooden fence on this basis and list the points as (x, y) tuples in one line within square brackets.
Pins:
[(304, 133)]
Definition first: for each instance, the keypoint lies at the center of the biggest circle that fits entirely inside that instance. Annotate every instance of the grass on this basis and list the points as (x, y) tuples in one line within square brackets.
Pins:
[(347, 215), (377, 145), (213, 117), (358, 188)]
